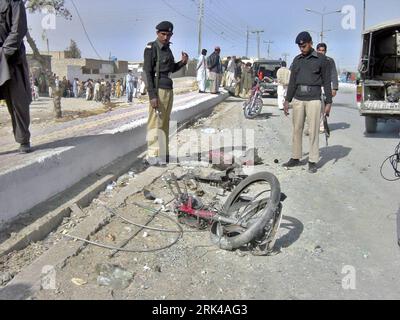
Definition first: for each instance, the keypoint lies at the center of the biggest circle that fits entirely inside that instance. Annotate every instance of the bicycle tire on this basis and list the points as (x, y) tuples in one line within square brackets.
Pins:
[(256, 230), (253, 109)]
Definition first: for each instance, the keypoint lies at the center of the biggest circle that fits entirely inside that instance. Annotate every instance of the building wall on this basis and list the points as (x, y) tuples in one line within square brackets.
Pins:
[(60, 67), (35, 65)]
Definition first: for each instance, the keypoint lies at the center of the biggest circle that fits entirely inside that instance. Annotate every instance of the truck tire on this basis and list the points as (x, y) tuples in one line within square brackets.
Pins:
[(371, 124)]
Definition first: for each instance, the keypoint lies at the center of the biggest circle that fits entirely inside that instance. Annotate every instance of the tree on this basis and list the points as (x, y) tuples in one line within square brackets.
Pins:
[(56, 7), (74, 50)]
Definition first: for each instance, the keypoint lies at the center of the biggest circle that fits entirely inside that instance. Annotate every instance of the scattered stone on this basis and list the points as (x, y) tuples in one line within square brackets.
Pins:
[(113, 276), (318, 250), (157, 268), (111, 187), (149, 195), (78, 282), (146, 268), (5, 278), (111, 237), (123, 181)]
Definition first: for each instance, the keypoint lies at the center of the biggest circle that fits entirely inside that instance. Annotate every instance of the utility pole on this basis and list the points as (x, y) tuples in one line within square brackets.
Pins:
[(269, 45), (258, 41), (323, 14), (247, 42), (364, 13), (201, 18), (285, 56)]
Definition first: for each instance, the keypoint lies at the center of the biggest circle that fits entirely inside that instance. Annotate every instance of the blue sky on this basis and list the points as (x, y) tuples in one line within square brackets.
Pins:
[(123, 27)]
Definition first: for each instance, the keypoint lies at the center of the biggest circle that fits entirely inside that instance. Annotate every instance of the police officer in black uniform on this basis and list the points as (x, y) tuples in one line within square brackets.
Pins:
[(159, 64), (309, 72)]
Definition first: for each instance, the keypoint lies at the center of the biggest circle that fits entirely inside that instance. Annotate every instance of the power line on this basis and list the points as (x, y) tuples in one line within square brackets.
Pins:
[(178, 12), (225, 30), (238, 18), (191, 19), (84, 29), (236, 30)]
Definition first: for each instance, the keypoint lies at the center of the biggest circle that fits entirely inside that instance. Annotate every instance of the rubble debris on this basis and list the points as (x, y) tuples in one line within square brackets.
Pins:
[(157, 268), (113, 276), (111, 186), (146, 268), (131, 174), (149, 195), (5, 278), (209, 131), (78, 282), (123, 180), (111, 237), (250, 158)]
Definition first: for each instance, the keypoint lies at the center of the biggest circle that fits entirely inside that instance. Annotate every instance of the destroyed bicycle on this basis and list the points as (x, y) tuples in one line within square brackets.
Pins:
[(249, 219)]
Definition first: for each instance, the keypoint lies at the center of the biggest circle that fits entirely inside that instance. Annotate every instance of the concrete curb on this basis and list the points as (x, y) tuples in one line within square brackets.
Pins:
[(42, 227), (33, 278), (57, 169)]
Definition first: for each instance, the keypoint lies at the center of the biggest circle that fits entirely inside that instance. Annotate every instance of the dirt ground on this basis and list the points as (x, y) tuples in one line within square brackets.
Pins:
[(340, 221)]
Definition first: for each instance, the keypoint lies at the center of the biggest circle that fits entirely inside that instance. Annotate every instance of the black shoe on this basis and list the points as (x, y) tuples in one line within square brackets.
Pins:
[(25, 148), (201, 91), (312, 167), (292, 163)]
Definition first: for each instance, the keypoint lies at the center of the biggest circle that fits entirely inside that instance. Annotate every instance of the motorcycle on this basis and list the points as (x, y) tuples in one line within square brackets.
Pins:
[(253, 106)]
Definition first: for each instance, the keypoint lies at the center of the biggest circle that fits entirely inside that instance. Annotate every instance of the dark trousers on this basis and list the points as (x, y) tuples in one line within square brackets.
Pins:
[(18, 107)]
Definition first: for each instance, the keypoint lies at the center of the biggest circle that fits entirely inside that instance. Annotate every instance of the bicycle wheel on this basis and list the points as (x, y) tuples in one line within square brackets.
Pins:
[(256, 208)]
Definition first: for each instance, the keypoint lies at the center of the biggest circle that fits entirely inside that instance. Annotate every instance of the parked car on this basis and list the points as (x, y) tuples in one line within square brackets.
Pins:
[(378, 91)]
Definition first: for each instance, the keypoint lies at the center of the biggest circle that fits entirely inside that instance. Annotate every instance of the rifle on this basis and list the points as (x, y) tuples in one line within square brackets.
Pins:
[(327, 130)]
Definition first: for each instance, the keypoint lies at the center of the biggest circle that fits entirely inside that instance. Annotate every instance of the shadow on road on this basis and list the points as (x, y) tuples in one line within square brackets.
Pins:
[(295, 229), (386, 130), (265, 116), (15, 292), (333, 153), (339, 126)]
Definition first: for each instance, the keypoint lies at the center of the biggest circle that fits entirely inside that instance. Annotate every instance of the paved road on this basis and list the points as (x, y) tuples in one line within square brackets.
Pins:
[(338, 238), (347, 209)]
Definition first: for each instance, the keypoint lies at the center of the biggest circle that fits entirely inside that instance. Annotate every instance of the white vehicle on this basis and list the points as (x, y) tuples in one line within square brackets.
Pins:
[(378, 92)]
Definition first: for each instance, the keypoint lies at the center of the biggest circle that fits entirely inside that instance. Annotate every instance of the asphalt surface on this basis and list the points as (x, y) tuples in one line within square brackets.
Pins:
[(338, 238)]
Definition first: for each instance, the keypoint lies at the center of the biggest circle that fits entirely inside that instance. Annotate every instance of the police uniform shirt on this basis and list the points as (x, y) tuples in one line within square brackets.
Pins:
[(312, 71), (167, 66)]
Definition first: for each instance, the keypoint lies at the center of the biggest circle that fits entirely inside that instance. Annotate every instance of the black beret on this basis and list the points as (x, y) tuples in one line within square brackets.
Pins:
[(303, 37), (165, 26)]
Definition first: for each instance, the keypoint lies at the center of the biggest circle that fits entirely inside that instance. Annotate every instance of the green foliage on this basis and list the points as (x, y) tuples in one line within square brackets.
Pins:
[(55, 6), (74, 50)]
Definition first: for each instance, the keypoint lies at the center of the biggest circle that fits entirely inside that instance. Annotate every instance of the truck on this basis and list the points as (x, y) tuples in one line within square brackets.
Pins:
[(269, 68), (378, 89)]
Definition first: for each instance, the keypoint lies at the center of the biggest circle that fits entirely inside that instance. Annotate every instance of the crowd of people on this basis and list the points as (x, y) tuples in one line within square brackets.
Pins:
[(100, 90), (213, 73)]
